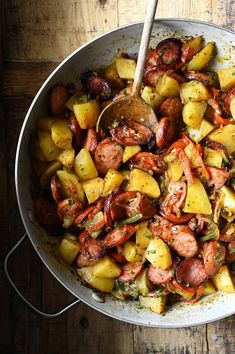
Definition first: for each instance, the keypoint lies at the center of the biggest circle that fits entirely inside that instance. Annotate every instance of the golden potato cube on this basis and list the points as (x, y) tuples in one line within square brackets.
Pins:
[(143, 182), (79, 95), (126, 68), (110, 73), (93, 188), (194, 91), (212, 157), (87, 113), (232, 106), (158, 253), (167, 86), (228, 199), (103, 284), (175, 170), (48, 173), (45, 123), (69, 249), (226, 78), (84, 166), (61, 134), (49, 150), (152, 96), (223, 281), (106, 267), (226, 136), (132, 252), (193, 113), (70, 185), (130, 151), (209, 288), (197, 200), (155, 304), (195, 44), (201, 59), (66, 157), (142, 283), (112, 181), (186, 294), (143, 235), (191, 153), (200, 133)]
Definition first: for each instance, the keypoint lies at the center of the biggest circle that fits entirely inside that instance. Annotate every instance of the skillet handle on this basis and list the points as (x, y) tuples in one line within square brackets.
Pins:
[(26, 302)]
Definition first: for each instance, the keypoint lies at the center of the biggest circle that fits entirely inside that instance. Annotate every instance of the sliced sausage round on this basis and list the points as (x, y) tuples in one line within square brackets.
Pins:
[(130, 271), (46, 214), (92, 249), (183, 241), (213, 257), (108, 155), (91, 141), (218, 177), (169, 53), (171, 107), (159, 276), (131, 133), (230, 252), (165, 132), (149, 162), (58, 98), (191, 271), (119, 235), (97, 85)]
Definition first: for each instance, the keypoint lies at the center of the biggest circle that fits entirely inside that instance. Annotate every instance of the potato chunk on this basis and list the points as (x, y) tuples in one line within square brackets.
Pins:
[(130, 151), (84, 166), (132, 252), (226, 136), (70, 185), (106, 267), (194, 91), (50, 170), (69, 248), (143, 235), (175, 170), (49, 150), (152, 96), (209, 288), (142, 283), (194, 44), (213, 157), (191, 153), (155, 304), (200, 133), (86, 113), (158, 253), (223, 281), (232, 106), (93, 189), (126, 68), (143, 182), (103, 284), (45, 123), (201, 59), (197, 200), (228, 199), (226, 78), (61, 134), (112, 181), (110, 73), (193, 113), (168, 87), (66, 157)]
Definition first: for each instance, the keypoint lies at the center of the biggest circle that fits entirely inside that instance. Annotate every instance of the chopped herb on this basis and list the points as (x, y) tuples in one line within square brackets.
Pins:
[(233, 74), (232, 250)]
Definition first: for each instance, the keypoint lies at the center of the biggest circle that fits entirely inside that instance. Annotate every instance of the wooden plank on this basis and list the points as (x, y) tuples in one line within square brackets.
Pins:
[(220, 336), (175, 341), (98, 334)]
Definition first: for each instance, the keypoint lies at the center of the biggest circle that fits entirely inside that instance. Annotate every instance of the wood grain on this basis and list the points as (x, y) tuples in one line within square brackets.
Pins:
[(37, 35)]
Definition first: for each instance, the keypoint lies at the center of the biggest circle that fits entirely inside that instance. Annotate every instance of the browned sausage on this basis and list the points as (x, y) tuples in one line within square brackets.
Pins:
[(58, 98), (91, 141), (75, 128), (227, 99), (149, 162), (131, 133), (215, 145), (218, 177), (168, 53), (84, 261), (119, 236), (46, 214), (170, 107), (152, 75), (92, 249), (191, 271), (159, 276), (55, 188), (230, 252), (228, 233), (165, 132), (118, 255), (179, 237), (174, 200), (119, 205), (130, 271), (68, 209), (108, 155), (213, 257), (96, 84), (206, 79)]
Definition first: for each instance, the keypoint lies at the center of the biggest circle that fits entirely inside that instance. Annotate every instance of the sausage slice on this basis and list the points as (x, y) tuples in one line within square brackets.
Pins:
[(108, 155), (191, 271)]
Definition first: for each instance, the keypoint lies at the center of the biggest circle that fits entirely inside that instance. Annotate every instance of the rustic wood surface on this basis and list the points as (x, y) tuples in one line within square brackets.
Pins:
[(34, 37)]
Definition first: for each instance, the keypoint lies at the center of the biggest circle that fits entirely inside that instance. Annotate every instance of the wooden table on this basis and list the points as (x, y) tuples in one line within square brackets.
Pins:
[(36, 36)]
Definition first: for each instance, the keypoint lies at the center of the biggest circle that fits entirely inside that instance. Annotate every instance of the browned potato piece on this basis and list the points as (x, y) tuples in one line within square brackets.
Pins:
[(49, 150), (201, 59)]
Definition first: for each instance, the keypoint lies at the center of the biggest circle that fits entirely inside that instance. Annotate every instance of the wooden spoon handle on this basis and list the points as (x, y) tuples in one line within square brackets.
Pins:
[(145, 38)]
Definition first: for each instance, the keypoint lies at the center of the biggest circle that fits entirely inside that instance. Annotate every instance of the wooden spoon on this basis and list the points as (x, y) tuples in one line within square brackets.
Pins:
[(133, 107)]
